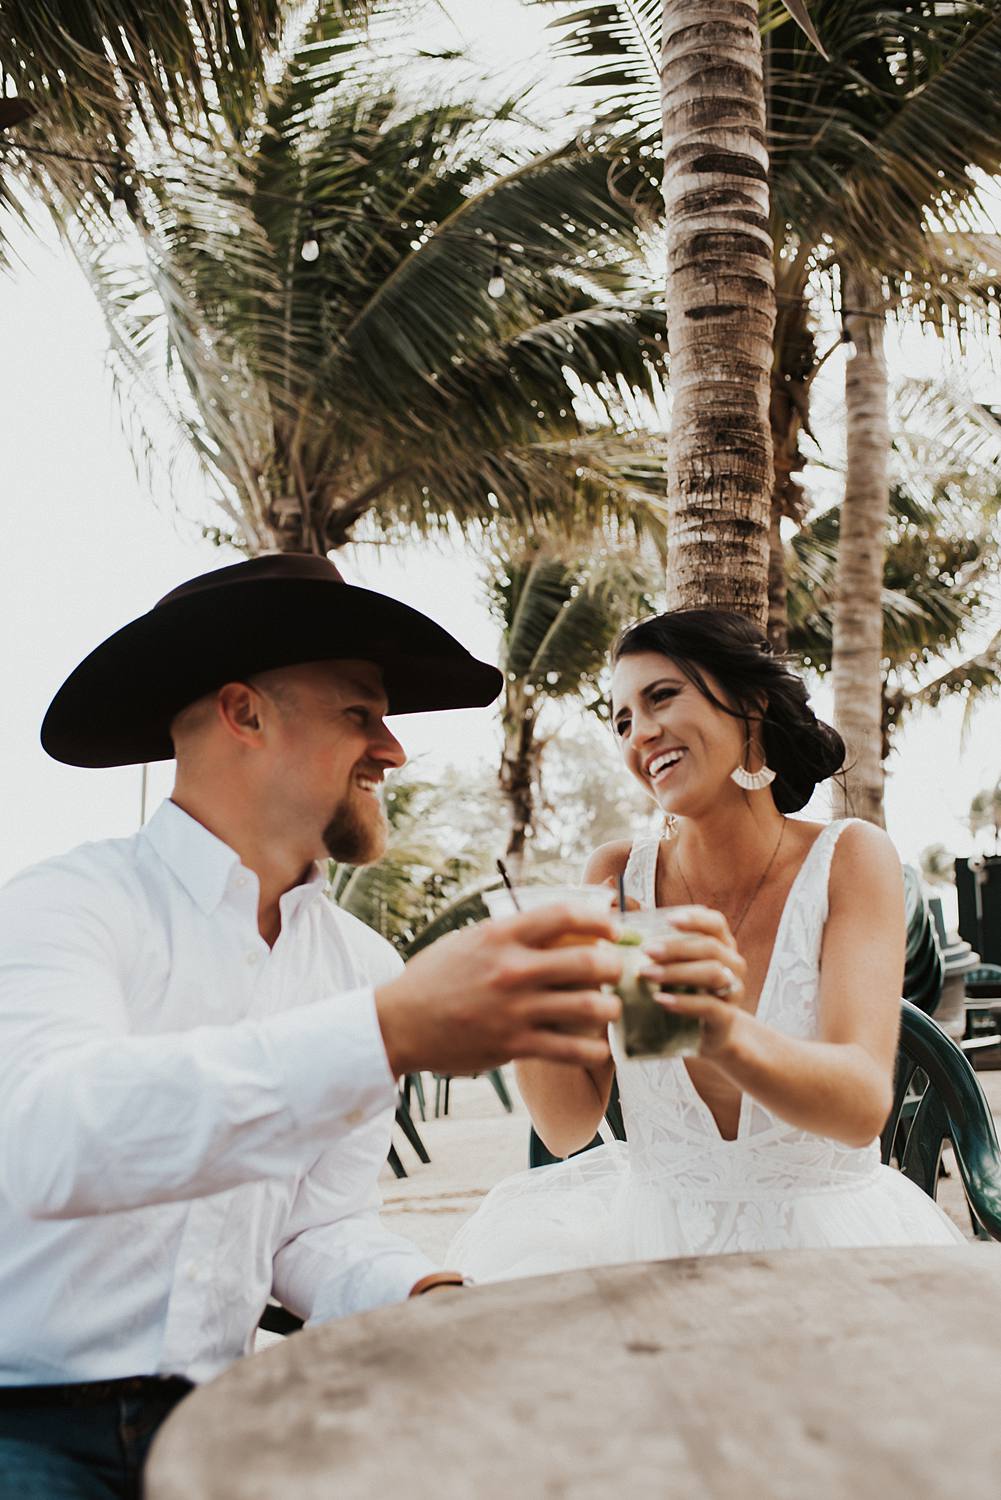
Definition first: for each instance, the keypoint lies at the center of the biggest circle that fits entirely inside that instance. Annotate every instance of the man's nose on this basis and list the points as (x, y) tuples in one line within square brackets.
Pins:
[(386, 747)]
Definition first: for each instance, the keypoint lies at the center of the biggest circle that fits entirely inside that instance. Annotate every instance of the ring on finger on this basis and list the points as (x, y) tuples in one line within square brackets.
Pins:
[(729, 988)]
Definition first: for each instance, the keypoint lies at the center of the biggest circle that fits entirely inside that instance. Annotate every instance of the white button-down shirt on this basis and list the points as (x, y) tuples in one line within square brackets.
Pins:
[(188, 1119)]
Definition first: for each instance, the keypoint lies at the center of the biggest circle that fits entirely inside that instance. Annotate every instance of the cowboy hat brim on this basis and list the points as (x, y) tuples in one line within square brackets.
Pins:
[(116, 707)]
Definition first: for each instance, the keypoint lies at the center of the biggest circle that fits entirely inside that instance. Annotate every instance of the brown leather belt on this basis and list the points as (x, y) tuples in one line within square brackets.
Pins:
[(89, 1392)]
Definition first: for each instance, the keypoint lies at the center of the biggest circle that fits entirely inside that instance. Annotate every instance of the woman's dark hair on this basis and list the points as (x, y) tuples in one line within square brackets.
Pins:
[(735, 652)]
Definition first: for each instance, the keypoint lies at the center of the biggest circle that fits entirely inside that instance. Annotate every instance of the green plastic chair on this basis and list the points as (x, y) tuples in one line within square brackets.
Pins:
[(924, 966), (937, 1098)]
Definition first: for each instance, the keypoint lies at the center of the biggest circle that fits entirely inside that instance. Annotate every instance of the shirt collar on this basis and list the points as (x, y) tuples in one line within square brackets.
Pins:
[(205, 865)]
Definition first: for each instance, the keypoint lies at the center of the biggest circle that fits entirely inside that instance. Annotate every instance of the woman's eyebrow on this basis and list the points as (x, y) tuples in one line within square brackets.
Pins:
[(646, 691)]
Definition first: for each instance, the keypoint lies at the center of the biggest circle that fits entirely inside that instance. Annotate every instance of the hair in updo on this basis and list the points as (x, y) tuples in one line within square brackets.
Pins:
[(760, 687)]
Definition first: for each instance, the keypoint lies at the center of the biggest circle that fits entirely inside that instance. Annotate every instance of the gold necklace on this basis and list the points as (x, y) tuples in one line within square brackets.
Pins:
[(736, 926)]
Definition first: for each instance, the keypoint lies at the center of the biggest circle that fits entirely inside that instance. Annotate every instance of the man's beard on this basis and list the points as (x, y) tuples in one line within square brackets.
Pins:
[(352, 838)]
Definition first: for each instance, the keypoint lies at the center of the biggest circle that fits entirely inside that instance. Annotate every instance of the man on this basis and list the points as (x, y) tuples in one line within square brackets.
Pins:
[(198, 1052)]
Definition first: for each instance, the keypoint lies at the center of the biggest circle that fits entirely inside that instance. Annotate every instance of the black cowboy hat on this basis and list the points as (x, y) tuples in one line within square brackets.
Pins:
[(116, 708)]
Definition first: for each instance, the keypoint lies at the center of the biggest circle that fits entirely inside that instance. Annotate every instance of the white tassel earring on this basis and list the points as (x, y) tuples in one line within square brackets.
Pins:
[(753, 781)]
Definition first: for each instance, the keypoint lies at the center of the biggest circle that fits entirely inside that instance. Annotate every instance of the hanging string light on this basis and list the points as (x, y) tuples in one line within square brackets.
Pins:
[(122, 196), (310, 248), (496, 286)]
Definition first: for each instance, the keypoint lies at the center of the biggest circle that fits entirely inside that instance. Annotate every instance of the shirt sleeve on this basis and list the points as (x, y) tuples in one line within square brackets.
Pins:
[(94, 1119), (338, 1257)]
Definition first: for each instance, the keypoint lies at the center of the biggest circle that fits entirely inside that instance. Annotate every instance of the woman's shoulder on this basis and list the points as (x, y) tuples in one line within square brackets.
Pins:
[(865, 861), (607, 860)]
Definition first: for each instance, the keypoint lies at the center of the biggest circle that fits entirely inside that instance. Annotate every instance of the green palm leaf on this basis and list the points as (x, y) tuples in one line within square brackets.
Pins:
[(381, 380)]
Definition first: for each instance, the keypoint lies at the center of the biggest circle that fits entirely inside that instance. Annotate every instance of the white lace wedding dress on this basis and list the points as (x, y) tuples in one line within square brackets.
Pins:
[(676, 1187)]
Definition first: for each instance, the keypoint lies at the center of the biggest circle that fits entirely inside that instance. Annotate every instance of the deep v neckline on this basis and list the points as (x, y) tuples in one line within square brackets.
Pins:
[(767, 984)]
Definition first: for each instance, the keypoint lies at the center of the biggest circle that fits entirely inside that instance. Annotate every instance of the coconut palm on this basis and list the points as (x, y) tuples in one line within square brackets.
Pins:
[(928, 111), (705, 64), (559, 615), (938, 585), (941, 570), (868, 153), (370, 307), (720, 305), (82, 80)]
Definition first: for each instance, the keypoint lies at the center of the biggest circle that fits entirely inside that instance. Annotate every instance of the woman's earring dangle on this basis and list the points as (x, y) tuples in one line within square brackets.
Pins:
[(753, 781), (670, 827)]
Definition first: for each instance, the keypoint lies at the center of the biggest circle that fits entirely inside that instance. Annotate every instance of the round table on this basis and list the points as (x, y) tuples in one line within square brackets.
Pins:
[(803, 1375)]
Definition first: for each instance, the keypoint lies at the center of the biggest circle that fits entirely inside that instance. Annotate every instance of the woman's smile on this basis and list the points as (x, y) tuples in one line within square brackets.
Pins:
[(660, 766)]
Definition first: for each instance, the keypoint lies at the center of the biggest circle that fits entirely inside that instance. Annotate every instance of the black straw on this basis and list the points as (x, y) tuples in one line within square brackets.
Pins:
[(507, 882), (622, 891)]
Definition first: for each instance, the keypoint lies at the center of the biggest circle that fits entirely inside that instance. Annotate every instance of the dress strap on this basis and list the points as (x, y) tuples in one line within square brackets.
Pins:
[(640, 874), (819, 859)]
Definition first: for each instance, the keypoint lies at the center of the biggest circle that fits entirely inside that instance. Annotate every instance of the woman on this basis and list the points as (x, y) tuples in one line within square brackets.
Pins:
[(793, 934)]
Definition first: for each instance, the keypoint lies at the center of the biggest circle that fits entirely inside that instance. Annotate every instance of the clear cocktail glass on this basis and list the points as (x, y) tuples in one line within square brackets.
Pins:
[(596, 898), (645, 1029), (504, 903)]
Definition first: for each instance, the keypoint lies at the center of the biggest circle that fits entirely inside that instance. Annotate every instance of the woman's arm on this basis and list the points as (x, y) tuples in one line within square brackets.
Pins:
[(566, 1102), (841, 1085)]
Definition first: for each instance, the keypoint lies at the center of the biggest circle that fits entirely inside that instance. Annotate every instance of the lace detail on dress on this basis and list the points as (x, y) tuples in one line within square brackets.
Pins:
[(676, 1187), (674, 1141)]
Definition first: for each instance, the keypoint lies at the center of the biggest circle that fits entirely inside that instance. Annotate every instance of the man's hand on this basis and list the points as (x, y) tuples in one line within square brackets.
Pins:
[(498, 990)]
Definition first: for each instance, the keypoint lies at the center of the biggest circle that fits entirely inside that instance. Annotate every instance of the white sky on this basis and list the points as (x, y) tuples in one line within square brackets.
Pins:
[(85, 549)]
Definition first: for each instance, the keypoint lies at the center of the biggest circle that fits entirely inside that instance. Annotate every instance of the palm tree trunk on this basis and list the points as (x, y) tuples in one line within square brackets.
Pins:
[(518, 773), (720, 305), (856, 659)]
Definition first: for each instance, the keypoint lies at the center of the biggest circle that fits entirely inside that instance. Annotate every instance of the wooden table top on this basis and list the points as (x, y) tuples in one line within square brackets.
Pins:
[(804, 1375)]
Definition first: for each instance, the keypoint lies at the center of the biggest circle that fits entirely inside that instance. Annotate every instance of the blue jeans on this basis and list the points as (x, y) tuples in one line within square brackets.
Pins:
[(81, 1450)]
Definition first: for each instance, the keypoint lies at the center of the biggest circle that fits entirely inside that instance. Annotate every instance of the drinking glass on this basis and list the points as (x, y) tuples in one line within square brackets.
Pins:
[(645, 1029)]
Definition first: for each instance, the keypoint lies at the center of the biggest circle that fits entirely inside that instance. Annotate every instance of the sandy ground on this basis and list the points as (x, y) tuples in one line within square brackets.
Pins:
[(477, 1144)]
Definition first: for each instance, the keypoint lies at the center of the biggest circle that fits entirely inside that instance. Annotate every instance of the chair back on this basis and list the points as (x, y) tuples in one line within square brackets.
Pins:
[(924, 966), (937, 1098)]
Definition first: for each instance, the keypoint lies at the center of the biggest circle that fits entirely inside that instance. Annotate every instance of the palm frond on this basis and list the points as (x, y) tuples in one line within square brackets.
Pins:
[(382, 380), (559, 614), (977, 675)]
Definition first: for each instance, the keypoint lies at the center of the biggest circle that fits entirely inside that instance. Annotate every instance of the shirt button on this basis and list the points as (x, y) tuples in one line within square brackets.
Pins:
[(241, 880)]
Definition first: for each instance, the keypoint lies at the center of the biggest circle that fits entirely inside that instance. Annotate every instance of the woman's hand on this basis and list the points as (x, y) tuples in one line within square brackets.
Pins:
[(700, 973)]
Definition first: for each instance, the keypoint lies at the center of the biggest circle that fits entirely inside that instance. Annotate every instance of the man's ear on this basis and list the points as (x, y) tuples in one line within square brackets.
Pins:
[(240, 710)]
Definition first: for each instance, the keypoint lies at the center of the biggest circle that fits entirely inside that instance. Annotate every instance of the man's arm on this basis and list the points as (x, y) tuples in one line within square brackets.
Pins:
[(94, 1119), (338, 1257)]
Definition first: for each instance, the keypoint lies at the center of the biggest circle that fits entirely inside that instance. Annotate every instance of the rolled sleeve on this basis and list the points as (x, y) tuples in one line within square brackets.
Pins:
[(338, 1257)]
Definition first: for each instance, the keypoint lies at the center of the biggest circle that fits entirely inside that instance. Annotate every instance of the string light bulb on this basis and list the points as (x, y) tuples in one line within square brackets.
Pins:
[(121, 192), (496, 286), (851, 349), (310, 250)]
